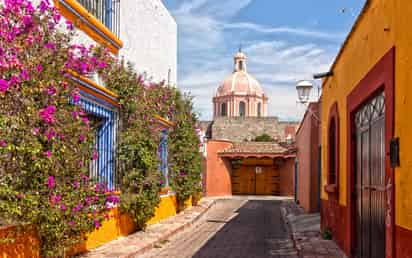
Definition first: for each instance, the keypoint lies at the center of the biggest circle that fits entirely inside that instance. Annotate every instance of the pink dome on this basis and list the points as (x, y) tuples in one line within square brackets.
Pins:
[(240, 83)]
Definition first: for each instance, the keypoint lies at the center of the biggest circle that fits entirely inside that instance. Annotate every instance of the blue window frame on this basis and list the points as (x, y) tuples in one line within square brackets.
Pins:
[(163, 156), (103, 169)]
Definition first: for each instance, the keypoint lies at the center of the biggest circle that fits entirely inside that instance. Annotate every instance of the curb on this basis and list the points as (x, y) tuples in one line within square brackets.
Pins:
[(284, 215), (181, 228)]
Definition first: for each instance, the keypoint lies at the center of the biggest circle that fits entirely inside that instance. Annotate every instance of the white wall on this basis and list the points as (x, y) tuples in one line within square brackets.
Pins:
[(149, 34)]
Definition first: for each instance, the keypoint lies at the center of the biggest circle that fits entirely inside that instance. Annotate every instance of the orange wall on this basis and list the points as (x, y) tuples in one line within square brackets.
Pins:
[(25, 244), (217, 177)]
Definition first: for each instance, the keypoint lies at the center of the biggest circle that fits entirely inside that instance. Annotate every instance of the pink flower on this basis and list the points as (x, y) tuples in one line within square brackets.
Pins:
[(20, 196), (75, 96), (27, 20), (85, 120), (14, 80), (102, 65), (69, 25), (97, 224), (55, 199), (75, 114), (47, 114), (3, 143), (50, 46), (84, 177), (25, 75), (48, 154), (95, 155), (50, 134), (44, 5), (63, 207), (77, 208), (51, 90), (82, 138), (4, 85), (51, 182), (76, 184), (71, 223), (36, 131), (113, 199)]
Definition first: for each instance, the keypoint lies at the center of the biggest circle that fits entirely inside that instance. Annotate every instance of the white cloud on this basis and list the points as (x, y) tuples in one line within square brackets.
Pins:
[(207, 34), (284, 30)]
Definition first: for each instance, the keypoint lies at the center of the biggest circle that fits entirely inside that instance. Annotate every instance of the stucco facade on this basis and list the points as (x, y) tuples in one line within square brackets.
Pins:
[(149, 33), (307, 157), (376, 57)]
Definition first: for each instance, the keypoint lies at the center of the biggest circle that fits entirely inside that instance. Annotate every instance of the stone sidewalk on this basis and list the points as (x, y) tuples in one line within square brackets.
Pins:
[(143, 241), (305, 230)]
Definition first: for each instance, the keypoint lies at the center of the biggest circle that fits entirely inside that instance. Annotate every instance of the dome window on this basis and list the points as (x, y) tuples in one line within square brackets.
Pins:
[(223, 110), (242, 109)]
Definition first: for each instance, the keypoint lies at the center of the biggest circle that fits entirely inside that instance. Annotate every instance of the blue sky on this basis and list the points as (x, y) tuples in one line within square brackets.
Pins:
[(285, 41)]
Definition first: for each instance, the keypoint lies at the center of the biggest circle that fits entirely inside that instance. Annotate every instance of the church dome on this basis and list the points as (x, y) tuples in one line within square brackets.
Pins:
[(240, 94), (240, 82)]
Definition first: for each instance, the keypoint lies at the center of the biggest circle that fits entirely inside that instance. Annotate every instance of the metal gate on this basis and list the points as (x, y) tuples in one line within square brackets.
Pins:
[(370, 179)]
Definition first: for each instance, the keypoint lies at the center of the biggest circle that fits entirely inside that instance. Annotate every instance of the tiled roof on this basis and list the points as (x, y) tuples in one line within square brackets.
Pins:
[(255, 148)]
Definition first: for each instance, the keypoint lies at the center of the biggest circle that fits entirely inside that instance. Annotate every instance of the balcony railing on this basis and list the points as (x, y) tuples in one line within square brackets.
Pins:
[(106, 11)]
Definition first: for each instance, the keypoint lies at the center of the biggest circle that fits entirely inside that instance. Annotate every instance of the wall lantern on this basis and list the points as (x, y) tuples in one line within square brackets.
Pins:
[(304, 88)]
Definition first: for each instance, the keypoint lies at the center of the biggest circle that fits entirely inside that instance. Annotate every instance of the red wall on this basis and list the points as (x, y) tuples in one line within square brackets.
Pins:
[(307, 143), (217, 177)]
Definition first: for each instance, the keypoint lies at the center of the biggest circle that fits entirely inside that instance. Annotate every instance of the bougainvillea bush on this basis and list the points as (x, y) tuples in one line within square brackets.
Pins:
[(45, 136), (46, 139), (140, 101), (185, 158)]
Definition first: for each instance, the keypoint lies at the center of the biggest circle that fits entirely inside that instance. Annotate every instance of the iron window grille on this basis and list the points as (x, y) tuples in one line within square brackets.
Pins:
[(106, 11)]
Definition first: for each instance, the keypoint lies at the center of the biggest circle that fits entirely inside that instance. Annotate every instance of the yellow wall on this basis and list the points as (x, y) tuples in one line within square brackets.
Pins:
[(26, 245), (383, 25)]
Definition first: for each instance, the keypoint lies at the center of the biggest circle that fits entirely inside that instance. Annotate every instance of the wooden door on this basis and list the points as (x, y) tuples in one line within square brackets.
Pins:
[(243, 180), (267, 181), (370, 179)]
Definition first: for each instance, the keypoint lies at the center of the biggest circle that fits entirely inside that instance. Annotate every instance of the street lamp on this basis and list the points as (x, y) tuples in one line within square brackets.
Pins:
[(304, 88)]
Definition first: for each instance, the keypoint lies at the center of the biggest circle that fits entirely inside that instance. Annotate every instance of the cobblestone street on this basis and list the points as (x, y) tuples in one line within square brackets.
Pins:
[(239, 227)]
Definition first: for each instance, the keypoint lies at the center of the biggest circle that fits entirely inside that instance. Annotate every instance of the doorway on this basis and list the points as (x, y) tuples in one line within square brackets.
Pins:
[(370, 179)]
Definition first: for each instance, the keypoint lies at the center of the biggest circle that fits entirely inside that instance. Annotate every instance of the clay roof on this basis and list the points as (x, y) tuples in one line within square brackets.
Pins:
[(267, 149)]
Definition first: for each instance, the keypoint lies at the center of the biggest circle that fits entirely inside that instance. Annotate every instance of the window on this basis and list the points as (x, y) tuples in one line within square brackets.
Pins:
[(106, 11), (163, 156), (240, 65), (332, 153), (103, 121), (223, 109), (259, 109), (242, 109)]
